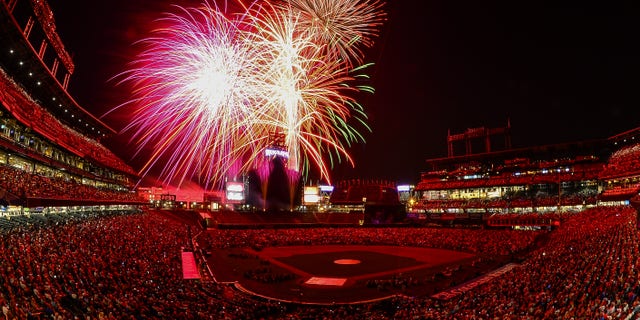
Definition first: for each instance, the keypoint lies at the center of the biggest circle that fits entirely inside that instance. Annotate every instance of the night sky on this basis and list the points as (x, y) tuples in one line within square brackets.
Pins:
[(560, 72)]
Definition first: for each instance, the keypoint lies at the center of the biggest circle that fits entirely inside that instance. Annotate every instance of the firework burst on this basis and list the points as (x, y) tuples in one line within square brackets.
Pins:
[(344, 26), (211, 92)]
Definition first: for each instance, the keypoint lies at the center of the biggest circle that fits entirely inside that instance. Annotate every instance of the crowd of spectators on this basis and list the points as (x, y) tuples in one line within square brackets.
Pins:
[(482, 241), (516, 202), (296, 218), (26, 185), (120, 266), (587, 270), (29, 112), (621, 191), (552, 218), (509, 179), (623, 162), (266, 274), (620, 175)]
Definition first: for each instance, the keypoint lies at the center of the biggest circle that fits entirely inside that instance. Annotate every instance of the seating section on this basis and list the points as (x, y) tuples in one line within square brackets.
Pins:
[(624, 162), (85, 266), (23, 186), (30, 113), (261, 219)]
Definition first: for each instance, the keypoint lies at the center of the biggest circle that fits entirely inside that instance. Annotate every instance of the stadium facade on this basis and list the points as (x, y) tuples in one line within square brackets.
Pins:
[(51, 155), (526, 186)]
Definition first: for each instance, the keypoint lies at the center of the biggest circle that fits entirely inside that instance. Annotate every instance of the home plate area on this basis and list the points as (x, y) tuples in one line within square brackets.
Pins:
[(342, 273)]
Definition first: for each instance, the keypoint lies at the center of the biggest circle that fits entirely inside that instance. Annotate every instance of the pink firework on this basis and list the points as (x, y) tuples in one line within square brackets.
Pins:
[(210, 92), (344, 26)]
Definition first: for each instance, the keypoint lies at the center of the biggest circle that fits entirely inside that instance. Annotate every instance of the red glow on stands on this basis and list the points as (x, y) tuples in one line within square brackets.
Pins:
[(28, 112)]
